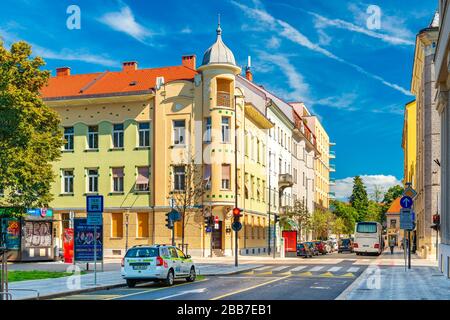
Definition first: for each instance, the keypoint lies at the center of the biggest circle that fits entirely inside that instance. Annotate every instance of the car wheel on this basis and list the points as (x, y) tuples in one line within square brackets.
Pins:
[(169, 279), (131, 283), (192, 275)]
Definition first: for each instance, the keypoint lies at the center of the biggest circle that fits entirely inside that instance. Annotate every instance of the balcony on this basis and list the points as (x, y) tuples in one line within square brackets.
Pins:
[(332, 182), (285, 180), (332, 155), (302, 130), (332, 168), (223, 99), (332, 195)]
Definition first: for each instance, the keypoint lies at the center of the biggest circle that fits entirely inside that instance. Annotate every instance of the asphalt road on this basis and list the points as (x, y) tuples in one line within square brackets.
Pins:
[(320, 278)]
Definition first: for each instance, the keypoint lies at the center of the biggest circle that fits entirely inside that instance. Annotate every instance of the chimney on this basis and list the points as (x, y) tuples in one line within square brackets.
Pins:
[(64, 71), (248, 71), (189, 61), (130, 66)]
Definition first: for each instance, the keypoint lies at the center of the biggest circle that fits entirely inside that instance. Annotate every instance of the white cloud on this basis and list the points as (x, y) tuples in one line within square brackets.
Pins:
[(273, 43), (186, 30), (64, 54), (343, 102), (124, 21), (289, 32), (338, 23), (300, 89), (344, 187)]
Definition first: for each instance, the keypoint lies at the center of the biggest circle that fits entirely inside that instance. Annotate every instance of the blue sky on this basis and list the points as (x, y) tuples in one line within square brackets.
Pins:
[(318, 51)]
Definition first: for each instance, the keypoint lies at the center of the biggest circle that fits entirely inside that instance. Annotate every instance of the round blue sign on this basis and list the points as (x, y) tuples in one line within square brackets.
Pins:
[(406, 202)]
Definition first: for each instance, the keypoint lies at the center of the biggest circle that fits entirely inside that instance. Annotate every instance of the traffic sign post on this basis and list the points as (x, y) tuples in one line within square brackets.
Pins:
[(407, 218), (406, 202), (235, 226), (94, 209)]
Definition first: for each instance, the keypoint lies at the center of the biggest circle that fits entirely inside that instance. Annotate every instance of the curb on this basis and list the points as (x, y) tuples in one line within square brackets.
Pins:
[(355, 284), (229, 272), (70, 293)]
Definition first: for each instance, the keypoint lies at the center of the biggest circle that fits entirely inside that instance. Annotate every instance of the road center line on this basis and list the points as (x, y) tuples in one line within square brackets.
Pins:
[(249, 288)]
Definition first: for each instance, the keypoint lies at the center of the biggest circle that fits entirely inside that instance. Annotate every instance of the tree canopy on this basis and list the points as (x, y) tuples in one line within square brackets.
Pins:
[(359, 199), (30, 137)]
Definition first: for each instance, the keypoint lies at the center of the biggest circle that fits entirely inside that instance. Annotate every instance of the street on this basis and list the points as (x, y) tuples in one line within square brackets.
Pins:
[(319, 278)]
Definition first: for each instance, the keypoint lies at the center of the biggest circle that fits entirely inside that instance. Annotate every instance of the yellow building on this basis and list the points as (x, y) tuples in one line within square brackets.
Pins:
[(150, 140), (409, 143)]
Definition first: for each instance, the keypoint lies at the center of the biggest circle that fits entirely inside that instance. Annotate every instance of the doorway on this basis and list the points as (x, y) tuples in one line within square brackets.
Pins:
[(217, 237)]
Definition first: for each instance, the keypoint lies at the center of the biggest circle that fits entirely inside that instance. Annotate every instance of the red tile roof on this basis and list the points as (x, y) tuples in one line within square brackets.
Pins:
[(112, 82), (395, 207)]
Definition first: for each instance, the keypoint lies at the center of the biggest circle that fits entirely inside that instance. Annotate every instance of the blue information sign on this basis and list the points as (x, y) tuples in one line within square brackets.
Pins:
[(94, 204), (84, 241)]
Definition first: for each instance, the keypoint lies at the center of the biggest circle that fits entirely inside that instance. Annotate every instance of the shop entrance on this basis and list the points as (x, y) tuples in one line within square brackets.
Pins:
[(217, 237)]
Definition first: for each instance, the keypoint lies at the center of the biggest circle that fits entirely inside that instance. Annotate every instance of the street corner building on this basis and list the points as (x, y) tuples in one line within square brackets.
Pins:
[(148, 139), (441, 100)]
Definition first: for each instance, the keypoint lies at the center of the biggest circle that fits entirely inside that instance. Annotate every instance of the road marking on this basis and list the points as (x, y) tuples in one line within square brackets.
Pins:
[(318, 268), (305, 274), (334, 269), (353, 269), (154, 289), (263, 268), (326, 274), (298, 268), (348, 275), (183, 293), (88, 297), (280, 268), (250, 288), (322, 288)]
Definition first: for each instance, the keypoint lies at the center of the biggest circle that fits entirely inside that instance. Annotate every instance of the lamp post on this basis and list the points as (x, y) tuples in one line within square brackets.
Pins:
[(127, 216)]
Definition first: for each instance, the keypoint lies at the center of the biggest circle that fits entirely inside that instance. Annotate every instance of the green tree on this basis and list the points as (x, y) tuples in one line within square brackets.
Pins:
[(338, 226), (30, 136), (321, 223), (374, 212), (359, 199), (299, 215), (347, 213)]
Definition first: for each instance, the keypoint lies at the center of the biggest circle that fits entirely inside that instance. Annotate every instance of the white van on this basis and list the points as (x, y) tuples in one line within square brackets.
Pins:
[(368, 238)]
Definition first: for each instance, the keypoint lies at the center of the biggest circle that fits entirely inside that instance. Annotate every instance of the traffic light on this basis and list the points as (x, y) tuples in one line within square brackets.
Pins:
[(237, 214), (436, 222), (208, 222), (169, 221), (276, 219)]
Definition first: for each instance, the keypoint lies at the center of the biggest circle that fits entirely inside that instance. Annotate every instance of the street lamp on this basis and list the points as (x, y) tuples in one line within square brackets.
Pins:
[(127, 215)]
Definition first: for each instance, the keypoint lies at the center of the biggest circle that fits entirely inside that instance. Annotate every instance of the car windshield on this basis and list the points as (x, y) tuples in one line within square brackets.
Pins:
[(345, 242), (301, 245), (142, 253), (366, 228)]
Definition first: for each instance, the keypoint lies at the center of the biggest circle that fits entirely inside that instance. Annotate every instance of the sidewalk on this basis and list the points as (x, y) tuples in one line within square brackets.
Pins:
[(386, 279), (52, 288)]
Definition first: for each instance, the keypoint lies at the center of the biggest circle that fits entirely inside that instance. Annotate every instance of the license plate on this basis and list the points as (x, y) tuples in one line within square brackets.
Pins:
[(366, 245), (141, 267)]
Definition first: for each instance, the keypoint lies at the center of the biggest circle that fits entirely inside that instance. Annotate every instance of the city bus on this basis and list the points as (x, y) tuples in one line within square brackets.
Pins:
[(368, 238)]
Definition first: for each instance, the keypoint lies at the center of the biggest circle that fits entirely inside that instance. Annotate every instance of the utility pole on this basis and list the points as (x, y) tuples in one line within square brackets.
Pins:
[(127, 215), (270, 196)]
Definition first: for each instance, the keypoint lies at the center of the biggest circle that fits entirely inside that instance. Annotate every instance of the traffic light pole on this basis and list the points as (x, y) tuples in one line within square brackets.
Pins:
[(236, 238)]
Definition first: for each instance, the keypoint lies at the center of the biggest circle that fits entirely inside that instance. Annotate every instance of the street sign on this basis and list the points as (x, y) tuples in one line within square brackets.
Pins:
[(406, 202), (236, 226), (174, 215), (94, 218), (216, 226), (94, 204), (208, 229), (407, 221), (409, 191)]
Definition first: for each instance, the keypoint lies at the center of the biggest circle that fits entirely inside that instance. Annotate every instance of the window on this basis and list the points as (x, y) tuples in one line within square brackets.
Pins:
[(92, 180), (173, 252), (142, 179), (179, 128), (179, 178), (246, 186), (207, 176), (68, 181), (226, 176), (366, 227), (181, 254), (295, 175), (68, 136), (246, 143), (225, 129), (280, 166), (393, 223), (118, 135), (117, 175), (258, 151), (208, 130), (93, 137), (144, 135), (142, 224), (116, 225)]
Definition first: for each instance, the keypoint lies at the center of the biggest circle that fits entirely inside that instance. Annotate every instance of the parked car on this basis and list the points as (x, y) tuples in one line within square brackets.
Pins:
[(313, 248), (320, 246), (345, 245), (303, 250), (161, 263), (329, 246)]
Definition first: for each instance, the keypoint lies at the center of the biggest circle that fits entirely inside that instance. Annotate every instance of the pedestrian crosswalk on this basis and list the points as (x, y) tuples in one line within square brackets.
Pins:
[(307, 270)]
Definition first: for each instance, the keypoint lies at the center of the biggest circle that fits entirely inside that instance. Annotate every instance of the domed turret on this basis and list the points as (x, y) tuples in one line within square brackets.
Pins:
[(218, 53)]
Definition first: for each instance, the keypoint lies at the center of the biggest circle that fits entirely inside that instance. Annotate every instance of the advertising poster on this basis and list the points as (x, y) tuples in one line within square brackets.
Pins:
[(68, 240), (10, 229), (84, 241)]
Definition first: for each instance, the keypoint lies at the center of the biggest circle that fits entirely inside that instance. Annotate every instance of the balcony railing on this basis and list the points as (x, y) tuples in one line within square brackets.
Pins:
[(223, 99), (285, 180), (332, 194), (332, 168), (332, 154)]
